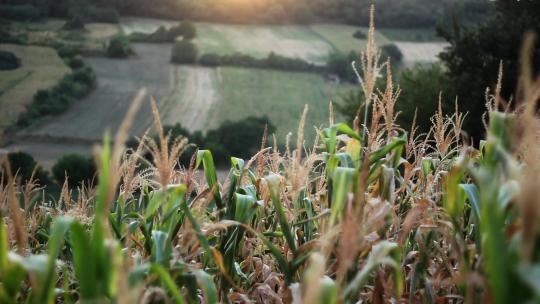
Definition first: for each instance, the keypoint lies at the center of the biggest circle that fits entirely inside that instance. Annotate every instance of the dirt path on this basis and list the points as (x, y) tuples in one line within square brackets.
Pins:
[(192, 101)]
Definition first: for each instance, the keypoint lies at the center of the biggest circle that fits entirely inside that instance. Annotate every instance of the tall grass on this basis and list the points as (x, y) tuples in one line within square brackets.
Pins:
[(369, 213)]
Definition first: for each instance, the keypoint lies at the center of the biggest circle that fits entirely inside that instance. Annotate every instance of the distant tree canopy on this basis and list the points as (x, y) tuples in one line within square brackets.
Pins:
[(119, 47), (76, 167), (186, 30), (8, 61), (475, 53), (184, 51), (23, 165), (391, 13)]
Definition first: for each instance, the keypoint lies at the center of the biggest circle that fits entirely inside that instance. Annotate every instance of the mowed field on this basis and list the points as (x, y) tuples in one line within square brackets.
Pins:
[(41, 68)]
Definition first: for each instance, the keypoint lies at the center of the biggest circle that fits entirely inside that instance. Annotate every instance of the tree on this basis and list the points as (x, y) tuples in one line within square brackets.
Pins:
[(23, 164), (8, 61), (475, 53), (184, 52), (421, 87), (187, 30), (76, 167), (119, 48)]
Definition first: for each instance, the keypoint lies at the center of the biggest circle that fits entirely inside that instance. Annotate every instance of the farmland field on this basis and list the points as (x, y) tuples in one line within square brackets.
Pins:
[(199, 98), (280, 95), (309, 42), (41, 68)]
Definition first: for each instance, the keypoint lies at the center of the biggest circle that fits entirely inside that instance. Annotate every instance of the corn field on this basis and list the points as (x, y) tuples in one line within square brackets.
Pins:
[(371, 213)]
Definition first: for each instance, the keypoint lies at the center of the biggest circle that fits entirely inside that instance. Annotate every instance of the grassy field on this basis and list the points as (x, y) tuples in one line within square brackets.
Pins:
[(411, 35), (41, 68), (280, 95)]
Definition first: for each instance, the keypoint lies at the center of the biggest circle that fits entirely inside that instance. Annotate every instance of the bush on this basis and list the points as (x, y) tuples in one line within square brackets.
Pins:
[(393, 52), (240, 139), (273, 61), (78, 169), (187, 30), (420, 89), (340, 64), (8, 61), (23, 164), (23, 12), (359, 34), (119, 47), (74, 24), (57, 99), (184, 52), (75, 62)]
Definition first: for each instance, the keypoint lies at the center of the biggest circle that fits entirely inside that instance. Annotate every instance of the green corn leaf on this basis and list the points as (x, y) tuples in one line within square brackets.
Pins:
[(161, 248), (55, 244), (206, 158), (379, 256), (344, 180), (273, 181), (208, 287), (84, 262), (168, 282)]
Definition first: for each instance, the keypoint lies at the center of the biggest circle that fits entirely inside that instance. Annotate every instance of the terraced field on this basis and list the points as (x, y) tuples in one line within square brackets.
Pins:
[(41, 69)]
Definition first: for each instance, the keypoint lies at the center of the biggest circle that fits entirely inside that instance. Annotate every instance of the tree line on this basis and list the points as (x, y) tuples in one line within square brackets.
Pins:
[(392, 13)]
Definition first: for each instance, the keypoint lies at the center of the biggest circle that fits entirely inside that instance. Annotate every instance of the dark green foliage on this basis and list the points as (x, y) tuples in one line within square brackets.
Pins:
[(77, 167), (359, 34), (92, 13), (184, 52), (393, 52), (8, 61), (420, 90), (475, 53), (75, 62), (23, 165), (242, 138), (23, 12), (119, 47), (57, 99), (238, 139), (273, 61), (340, 64), (186, 29), (6, 36), (76, 23)]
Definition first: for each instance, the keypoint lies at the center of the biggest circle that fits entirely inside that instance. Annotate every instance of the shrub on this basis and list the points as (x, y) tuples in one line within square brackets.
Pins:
[(187, 30), (119, 47), (359, 34), (184, 52), (340, 64), (240, 138), (393, 52), (273, 61), (75, 62), (23, 12), (57, 99), (23, 164), (74, 24), (420, 89), (8, 61), (78, 169)]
